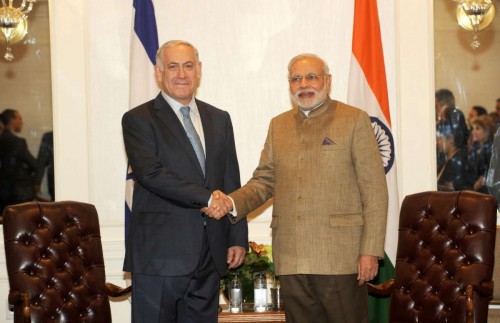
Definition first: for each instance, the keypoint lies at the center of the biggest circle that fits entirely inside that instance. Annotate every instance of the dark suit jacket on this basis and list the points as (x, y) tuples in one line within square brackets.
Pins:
[(45, 159), (17, 167), (167, 228)]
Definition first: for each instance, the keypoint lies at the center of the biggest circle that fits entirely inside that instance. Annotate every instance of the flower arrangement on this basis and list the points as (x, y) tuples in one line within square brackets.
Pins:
[(257, 259)]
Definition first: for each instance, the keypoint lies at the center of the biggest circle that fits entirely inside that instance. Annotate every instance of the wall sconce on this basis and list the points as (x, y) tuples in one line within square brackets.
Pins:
[(475, 15), (13, 24)]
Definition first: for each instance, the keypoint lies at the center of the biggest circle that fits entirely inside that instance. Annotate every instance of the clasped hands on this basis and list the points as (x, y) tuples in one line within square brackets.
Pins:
[(220, 205)]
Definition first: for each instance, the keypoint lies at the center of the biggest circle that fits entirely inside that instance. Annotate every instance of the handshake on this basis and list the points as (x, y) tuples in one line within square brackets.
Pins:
[(220, 205)]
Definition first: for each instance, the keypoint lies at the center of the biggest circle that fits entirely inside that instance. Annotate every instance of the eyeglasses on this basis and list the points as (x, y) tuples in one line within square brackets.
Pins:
[(310, 78)]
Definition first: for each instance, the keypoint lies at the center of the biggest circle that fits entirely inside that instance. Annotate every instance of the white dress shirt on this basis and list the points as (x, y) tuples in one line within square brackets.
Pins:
[(194, 114)]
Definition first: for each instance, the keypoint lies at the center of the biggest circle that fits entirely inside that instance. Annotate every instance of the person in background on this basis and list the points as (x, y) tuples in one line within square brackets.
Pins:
[(180, 150), (483, 132), (17, 164), (495, 118), (455, 173), (322, 166), (497, 107), (493, 175), (444, 99), (45, 159), (475, 112)]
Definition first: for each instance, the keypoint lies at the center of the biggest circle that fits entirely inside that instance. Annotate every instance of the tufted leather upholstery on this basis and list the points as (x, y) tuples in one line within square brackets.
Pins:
[(55, 263), (445, 258)]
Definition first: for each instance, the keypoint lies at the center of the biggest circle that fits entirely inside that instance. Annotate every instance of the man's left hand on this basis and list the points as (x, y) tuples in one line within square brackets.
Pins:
[(235, 256), (367, 268)]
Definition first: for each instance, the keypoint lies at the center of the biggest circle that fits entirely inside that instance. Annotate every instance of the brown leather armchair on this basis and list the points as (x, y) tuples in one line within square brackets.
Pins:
[(55, 263), (445, 258)]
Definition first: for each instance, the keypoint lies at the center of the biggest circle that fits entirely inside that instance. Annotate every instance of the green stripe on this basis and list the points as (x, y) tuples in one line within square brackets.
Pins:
[(378, 306)]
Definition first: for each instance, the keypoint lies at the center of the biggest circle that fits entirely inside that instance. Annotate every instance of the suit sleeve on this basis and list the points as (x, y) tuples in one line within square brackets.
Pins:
[(43, 158), (142, 151), (260, 187), (27, 157), (238, 233), (372, 185)]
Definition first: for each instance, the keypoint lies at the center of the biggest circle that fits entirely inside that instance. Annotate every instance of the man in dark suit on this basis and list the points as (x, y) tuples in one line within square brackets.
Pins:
[(45, 159), (17, 165), (175, 253)]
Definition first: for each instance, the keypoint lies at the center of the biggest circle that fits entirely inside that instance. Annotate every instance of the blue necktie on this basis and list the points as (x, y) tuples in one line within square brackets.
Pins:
[(193, 137)]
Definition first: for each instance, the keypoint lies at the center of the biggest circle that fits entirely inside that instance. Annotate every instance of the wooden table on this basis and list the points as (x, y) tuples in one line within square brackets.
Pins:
[(252, 317)]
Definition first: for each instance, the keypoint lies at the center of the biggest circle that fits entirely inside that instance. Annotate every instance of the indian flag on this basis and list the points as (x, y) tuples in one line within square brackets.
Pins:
[(368, 90)]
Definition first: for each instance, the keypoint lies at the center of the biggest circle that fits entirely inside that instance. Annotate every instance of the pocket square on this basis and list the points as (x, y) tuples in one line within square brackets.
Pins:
[(328, 141)]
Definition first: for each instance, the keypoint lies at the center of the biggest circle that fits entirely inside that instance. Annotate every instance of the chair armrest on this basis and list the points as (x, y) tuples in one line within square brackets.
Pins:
[(383, 289), (115, 291), (17, 299), (485, 288), (469, 306)]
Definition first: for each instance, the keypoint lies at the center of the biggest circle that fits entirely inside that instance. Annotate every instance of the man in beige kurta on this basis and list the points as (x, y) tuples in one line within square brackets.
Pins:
[(322, 166)]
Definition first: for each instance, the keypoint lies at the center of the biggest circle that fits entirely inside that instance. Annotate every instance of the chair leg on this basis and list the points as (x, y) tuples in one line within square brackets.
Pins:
[(469, 307)]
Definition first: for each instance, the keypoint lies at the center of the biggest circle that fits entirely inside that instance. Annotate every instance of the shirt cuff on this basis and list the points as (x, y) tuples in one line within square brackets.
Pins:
[(233, 212)]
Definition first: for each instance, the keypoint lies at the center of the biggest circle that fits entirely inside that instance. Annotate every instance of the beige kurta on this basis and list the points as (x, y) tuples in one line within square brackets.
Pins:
[(327, 179)]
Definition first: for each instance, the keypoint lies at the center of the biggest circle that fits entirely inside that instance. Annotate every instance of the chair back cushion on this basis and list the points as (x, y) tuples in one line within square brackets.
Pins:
[(496, 270), (54, 255), (446, 242)]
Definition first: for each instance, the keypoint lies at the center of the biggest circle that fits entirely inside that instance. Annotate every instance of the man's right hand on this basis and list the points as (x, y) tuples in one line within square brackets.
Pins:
[(219, 206)]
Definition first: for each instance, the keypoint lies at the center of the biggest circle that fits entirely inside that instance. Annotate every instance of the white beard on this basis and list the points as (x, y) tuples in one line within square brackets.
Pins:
[(312, 103)]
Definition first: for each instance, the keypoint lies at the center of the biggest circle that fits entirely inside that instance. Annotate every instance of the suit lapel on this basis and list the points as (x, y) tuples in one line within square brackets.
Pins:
[(168, 117)]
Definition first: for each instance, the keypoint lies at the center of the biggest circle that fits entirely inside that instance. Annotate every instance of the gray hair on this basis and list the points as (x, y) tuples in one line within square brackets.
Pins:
[(326, 69), (170, 44)]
